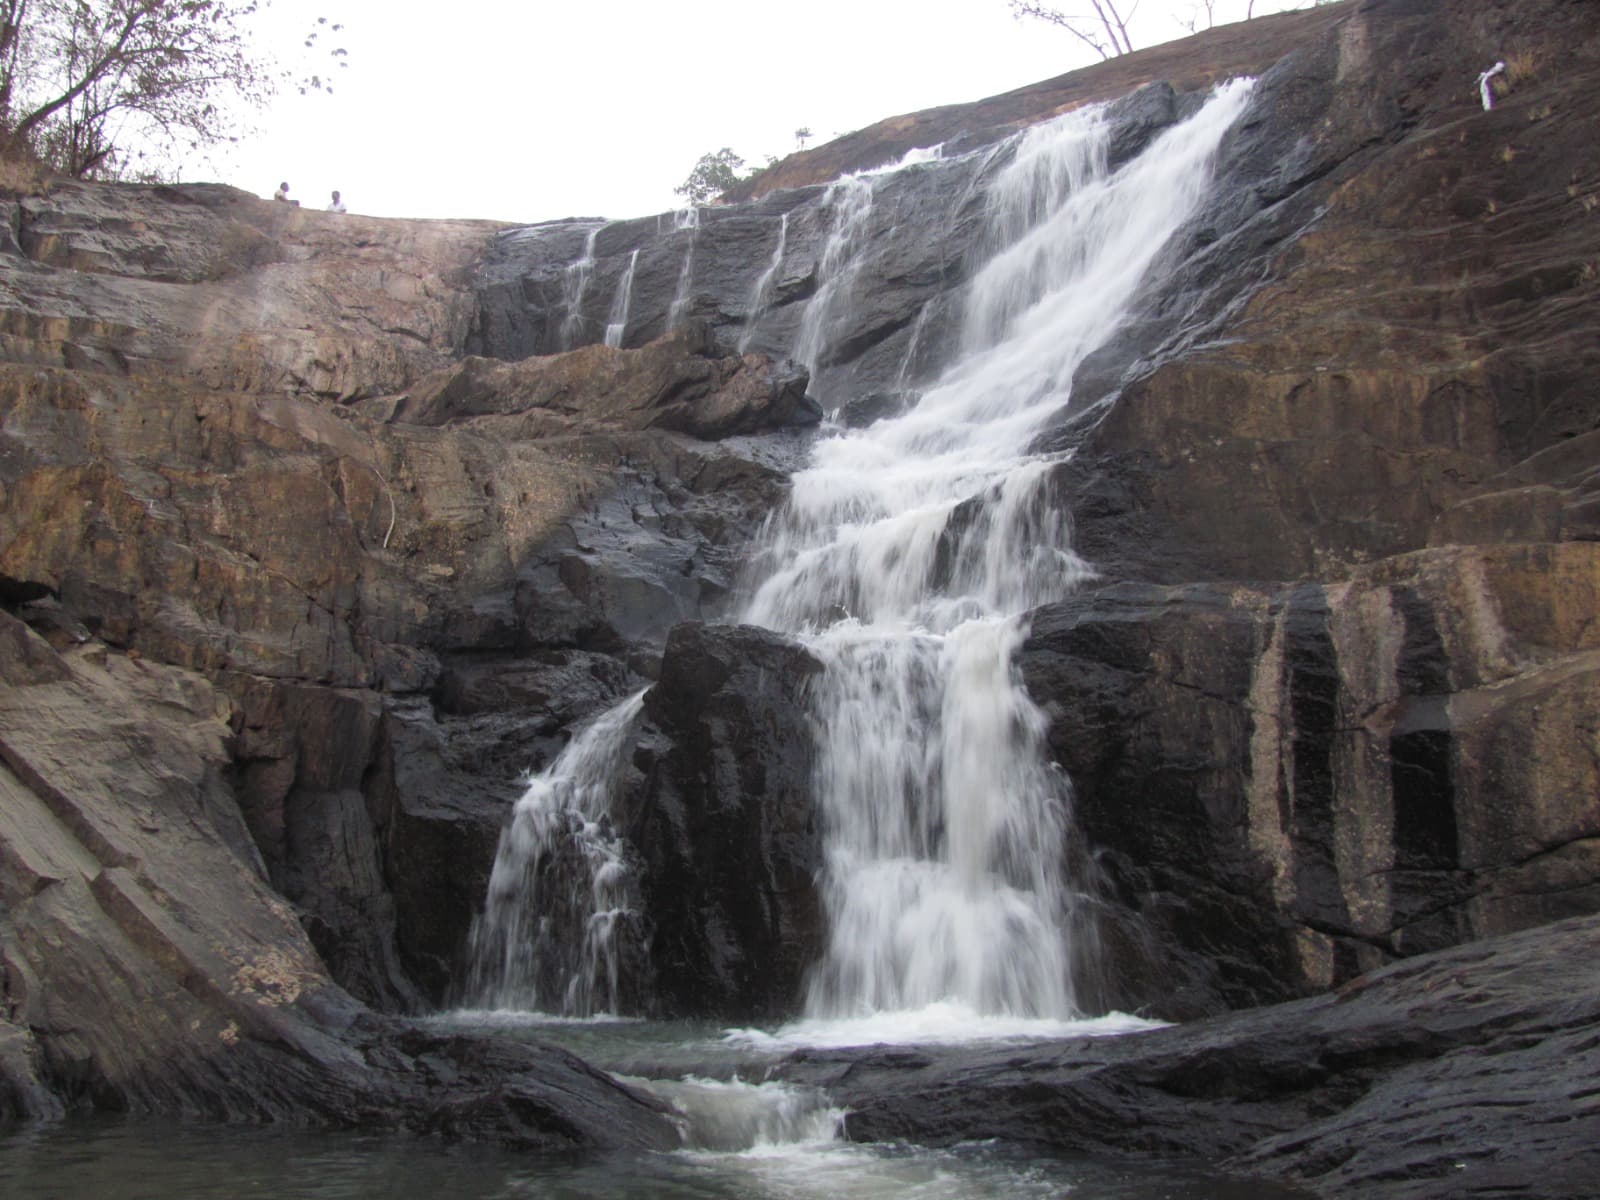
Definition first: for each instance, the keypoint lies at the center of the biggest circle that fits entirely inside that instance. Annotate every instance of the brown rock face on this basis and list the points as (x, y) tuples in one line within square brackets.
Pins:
[(242, 458)]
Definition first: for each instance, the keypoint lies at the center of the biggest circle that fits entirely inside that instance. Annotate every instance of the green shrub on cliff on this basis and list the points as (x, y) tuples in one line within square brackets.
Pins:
[(712, 175)]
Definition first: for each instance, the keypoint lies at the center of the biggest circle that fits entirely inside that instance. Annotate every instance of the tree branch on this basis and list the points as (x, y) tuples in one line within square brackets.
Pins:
[(90, 75)]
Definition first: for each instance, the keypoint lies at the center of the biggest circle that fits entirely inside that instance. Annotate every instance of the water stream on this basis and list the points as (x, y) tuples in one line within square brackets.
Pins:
[(617, 322), (560, 914), (683, 296), (907, 559), (574, 284), (761, 294)]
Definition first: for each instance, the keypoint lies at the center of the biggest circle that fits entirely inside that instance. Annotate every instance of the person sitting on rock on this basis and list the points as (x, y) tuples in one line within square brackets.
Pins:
[(338, 204), (283, 194)]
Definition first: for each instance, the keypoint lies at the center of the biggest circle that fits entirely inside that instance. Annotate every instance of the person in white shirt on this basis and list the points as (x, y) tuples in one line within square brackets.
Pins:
[(337, 205), (283, 194)]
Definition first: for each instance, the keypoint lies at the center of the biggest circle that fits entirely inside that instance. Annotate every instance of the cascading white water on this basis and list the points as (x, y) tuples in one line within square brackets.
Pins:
[(573, 285), (617, 322), (761, 294), (560, 899), (678, 310), (849, 201), (907, 557)]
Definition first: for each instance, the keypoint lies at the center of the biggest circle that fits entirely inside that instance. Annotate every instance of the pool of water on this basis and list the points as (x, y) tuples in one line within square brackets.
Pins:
[(109, 1159), (744, 1138)]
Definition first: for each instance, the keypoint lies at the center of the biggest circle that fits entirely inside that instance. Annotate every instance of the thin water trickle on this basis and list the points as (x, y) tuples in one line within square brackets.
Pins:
[(761, 294), (573, 285), (617, 322), (687, 219), (848, 202)]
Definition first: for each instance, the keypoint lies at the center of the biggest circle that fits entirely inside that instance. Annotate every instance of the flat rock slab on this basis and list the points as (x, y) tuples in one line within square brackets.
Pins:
[(1470, 1072)]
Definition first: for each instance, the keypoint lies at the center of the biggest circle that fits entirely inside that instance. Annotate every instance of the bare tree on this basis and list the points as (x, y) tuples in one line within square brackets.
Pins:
[(1208, 10), (80, 80), (1202, 15), (1103, 28)]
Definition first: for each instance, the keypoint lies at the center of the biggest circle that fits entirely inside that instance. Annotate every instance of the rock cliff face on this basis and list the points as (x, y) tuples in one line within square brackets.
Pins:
[(245, 457), (317, 532), (1398, 422)]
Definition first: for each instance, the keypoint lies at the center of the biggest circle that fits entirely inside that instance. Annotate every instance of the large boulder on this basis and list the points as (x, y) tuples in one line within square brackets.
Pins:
[(723, 821)]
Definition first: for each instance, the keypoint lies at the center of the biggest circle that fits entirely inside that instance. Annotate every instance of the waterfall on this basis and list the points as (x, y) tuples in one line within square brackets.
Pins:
[(678, 310), (617, 322), (849, 201), (761, 294), (907, 558), (559, 923), (573, 285), (827, 318)]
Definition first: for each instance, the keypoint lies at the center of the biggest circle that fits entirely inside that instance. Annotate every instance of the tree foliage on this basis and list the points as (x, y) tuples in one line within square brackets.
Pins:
[(712, 175), (82, 82)]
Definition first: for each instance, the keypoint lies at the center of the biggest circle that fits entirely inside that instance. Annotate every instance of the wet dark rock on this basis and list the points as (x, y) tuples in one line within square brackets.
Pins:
[(302, 757), (1468, 1072), (439, 795), (1347, 359), (860, 411), (723, 819), (1288, 785), (147, 966)]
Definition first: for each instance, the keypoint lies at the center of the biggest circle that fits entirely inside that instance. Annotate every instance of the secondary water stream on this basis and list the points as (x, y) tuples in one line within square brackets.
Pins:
[(617, 322)]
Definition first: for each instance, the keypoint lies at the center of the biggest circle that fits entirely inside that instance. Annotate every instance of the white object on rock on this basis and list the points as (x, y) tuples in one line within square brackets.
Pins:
[(1484, 89)]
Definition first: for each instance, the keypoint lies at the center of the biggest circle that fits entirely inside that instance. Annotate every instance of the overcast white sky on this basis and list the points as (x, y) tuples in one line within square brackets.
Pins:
[(533, 111)]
